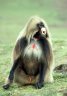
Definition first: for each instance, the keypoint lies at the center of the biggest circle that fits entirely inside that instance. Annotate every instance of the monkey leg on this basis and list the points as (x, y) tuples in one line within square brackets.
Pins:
[(49, 75), (23, 79)]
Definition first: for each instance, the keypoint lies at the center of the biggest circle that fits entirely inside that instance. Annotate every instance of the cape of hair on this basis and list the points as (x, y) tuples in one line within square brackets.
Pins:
[(28, 31), (31, 27)]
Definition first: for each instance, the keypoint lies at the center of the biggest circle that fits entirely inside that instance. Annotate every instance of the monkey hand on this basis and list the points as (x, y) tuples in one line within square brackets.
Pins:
[(8, 82), (6, 86), (39, 85)]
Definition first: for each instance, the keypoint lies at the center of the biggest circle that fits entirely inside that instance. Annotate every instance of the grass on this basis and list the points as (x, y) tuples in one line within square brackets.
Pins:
[(13, 16)]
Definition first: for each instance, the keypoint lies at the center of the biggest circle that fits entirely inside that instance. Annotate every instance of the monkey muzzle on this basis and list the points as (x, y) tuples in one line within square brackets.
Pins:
[(43, 31)]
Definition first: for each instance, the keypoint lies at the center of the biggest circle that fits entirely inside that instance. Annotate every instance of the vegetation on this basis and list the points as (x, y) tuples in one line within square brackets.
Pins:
[(13, 16)]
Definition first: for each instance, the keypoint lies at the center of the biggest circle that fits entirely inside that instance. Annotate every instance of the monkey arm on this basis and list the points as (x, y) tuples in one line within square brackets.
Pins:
[(42, 71), (18, 50), (11, 75), (43, 65)]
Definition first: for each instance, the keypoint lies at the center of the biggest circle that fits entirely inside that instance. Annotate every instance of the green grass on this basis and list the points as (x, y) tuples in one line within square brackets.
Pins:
[(13, 16)]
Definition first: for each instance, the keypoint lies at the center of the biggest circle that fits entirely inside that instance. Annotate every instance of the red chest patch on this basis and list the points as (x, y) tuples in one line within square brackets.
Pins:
[(33, 46)]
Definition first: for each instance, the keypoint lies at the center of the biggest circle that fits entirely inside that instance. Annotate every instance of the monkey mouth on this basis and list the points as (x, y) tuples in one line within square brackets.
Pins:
[(37, 35)]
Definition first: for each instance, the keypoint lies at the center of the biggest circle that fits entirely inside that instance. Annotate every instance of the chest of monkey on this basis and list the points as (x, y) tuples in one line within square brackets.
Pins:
[(31, 57), (31, 67)]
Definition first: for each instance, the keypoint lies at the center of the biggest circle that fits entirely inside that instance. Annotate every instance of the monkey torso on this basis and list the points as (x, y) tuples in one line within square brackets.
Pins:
[(33, 54), (31, 67), (31, 58)]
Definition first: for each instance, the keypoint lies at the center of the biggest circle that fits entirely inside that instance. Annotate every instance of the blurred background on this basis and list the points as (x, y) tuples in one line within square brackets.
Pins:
[(15, 13), (13, 16)]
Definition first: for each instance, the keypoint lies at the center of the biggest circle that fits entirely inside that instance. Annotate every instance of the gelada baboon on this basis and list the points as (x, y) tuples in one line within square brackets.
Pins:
[(32, 55)]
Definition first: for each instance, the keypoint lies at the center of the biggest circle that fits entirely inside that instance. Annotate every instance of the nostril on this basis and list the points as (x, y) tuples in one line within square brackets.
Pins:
[(43, 31)]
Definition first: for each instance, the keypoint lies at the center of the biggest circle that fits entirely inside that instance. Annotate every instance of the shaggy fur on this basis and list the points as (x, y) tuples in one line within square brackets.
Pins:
[(32, 55)]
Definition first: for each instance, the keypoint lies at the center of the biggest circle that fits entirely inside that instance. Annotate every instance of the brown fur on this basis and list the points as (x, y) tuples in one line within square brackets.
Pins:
[(29, 30), (23, 78)]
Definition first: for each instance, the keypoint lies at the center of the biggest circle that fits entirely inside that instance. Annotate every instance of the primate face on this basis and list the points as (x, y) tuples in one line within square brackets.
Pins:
[(41, 30)]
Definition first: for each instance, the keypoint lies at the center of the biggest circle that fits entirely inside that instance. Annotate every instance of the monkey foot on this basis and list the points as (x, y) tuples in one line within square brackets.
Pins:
[(6, 86), (39, 85)]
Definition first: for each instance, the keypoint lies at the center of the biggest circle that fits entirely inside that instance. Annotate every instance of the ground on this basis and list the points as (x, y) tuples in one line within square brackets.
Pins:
[(13, 16)]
